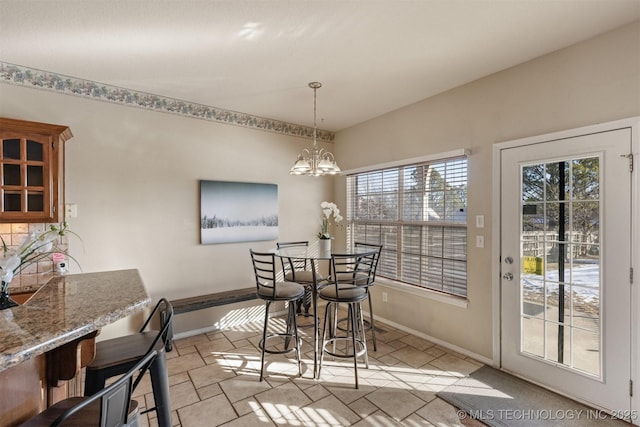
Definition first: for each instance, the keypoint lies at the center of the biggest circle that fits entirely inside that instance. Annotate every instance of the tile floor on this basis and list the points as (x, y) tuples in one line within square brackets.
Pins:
[(214, 380)]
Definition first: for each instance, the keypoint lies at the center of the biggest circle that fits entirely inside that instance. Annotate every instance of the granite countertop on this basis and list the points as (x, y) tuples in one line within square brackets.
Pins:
[(65, 308), (29, 283)]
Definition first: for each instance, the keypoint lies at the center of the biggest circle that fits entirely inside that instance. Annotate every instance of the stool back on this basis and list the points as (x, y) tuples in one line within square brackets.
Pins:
[(378, 249), (264, 268), (348, 270), (291, 265), (163, 312), (115, 399)]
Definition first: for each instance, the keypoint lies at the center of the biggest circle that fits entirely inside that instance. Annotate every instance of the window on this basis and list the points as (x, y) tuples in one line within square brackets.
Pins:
[(418, 212)]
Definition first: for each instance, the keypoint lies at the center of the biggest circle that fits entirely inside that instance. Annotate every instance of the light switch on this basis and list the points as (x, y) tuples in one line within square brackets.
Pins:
[(71, 210), (480, 241), (479, 221)]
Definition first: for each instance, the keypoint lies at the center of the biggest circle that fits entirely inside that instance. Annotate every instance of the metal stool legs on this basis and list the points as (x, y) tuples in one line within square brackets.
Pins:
[(355, 344), (290, 333), (372, 325), (305, 301), (369, 325)]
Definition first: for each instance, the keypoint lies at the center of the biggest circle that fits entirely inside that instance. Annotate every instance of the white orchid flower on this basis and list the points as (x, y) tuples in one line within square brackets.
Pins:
[(45, 247), (50, 236), (6, 276), (328, 210), (27, 242), (9, 263)]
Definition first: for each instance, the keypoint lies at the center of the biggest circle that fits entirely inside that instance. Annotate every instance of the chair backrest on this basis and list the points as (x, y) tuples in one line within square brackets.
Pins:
[(163, 311), (115, 399), (353, 269), (375, 247), (264, 268), (291, 265)]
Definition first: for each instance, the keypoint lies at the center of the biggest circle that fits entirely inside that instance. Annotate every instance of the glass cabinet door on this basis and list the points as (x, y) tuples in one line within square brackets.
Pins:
[(24, 171), (31, 171)]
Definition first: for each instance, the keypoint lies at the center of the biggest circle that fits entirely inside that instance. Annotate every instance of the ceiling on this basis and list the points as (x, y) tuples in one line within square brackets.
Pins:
[(258, 56)]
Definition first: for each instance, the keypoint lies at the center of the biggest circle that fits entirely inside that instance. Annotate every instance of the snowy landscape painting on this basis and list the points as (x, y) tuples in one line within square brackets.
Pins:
[(237, 212)]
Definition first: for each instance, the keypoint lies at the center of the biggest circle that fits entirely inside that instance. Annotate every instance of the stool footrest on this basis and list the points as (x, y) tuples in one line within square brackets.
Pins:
[(283, 351), (330, 342)]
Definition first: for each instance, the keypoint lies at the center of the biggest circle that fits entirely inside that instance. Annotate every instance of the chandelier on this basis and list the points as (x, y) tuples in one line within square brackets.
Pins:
[(318, 161)]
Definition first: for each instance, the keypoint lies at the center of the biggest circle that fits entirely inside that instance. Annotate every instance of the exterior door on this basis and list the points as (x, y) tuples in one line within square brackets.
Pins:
[(566, 265)]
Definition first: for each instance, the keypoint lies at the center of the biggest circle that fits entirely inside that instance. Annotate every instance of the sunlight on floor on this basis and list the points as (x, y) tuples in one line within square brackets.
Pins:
[(214, 380)]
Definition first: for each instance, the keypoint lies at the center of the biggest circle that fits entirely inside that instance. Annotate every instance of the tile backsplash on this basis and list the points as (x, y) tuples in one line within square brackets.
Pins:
[(13, 235)]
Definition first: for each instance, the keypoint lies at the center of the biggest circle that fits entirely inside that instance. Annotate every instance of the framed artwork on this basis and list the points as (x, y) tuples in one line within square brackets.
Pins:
[(237, 212)]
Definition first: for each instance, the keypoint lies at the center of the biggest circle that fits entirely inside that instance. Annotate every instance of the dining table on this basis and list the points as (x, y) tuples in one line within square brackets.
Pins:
[(317, 254)]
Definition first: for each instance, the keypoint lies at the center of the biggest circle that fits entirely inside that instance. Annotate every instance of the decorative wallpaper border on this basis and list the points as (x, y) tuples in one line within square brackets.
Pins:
[(44, 80)]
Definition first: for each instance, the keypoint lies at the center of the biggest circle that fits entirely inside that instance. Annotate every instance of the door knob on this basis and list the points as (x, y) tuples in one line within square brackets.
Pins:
[(508, 276)]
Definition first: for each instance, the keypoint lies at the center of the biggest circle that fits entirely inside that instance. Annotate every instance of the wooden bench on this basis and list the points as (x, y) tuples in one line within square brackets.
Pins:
[(198, 302), (185, 305)]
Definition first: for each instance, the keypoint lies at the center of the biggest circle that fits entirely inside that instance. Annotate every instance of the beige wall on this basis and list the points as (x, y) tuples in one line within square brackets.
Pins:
[(592, 82), (134, 175)]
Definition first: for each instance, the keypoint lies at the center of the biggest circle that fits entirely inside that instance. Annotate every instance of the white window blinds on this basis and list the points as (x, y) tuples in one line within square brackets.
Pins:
[(418, 213)]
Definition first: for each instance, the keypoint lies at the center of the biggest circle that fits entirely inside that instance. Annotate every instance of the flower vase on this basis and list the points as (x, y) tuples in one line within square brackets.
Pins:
[(325, 245), (5, 299)]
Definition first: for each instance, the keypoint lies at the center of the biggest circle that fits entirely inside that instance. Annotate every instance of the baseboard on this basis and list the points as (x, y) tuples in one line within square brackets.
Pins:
[(447, 345)]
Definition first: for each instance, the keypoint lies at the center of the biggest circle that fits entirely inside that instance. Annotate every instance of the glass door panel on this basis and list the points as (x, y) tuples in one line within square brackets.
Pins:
[(564, 279)]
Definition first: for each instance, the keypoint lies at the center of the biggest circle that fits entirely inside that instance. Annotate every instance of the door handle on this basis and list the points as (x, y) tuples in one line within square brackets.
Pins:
[(507, 276)]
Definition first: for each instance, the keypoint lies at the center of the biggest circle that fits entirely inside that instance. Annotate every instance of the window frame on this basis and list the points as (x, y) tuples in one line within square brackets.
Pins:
[(399, 253)]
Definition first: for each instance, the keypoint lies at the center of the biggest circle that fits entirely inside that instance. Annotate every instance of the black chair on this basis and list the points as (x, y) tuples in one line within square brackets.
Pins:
[(269, 289), (110, 407), (350, 274), (117, 355), (299, 271), (371, 325)]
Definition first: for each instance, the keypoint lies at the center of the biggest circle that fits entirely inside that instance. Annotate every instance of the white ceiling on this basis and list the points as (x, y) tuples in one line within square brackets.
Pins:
[(257, 56)]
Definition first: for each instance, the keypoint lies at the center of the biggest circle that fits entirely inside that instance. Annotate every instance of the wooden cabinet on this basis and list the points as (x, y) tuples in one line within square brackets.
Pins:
[(37, 383), (24, 391), (32, 171)]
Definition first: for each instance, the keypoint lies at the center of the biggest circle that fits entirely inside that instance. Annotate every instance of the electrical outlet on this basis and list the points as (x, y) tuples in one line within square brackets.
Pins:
[(385, 297), (60, 263), (61, 267)]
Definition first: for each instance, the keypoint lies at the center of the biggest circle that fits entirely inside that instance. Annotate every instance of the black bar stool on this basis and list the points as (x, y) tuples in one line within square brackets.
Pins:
[(347, 284), (110, 407), (117, 355), (269, 289), (299, 271), (371, 324)]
